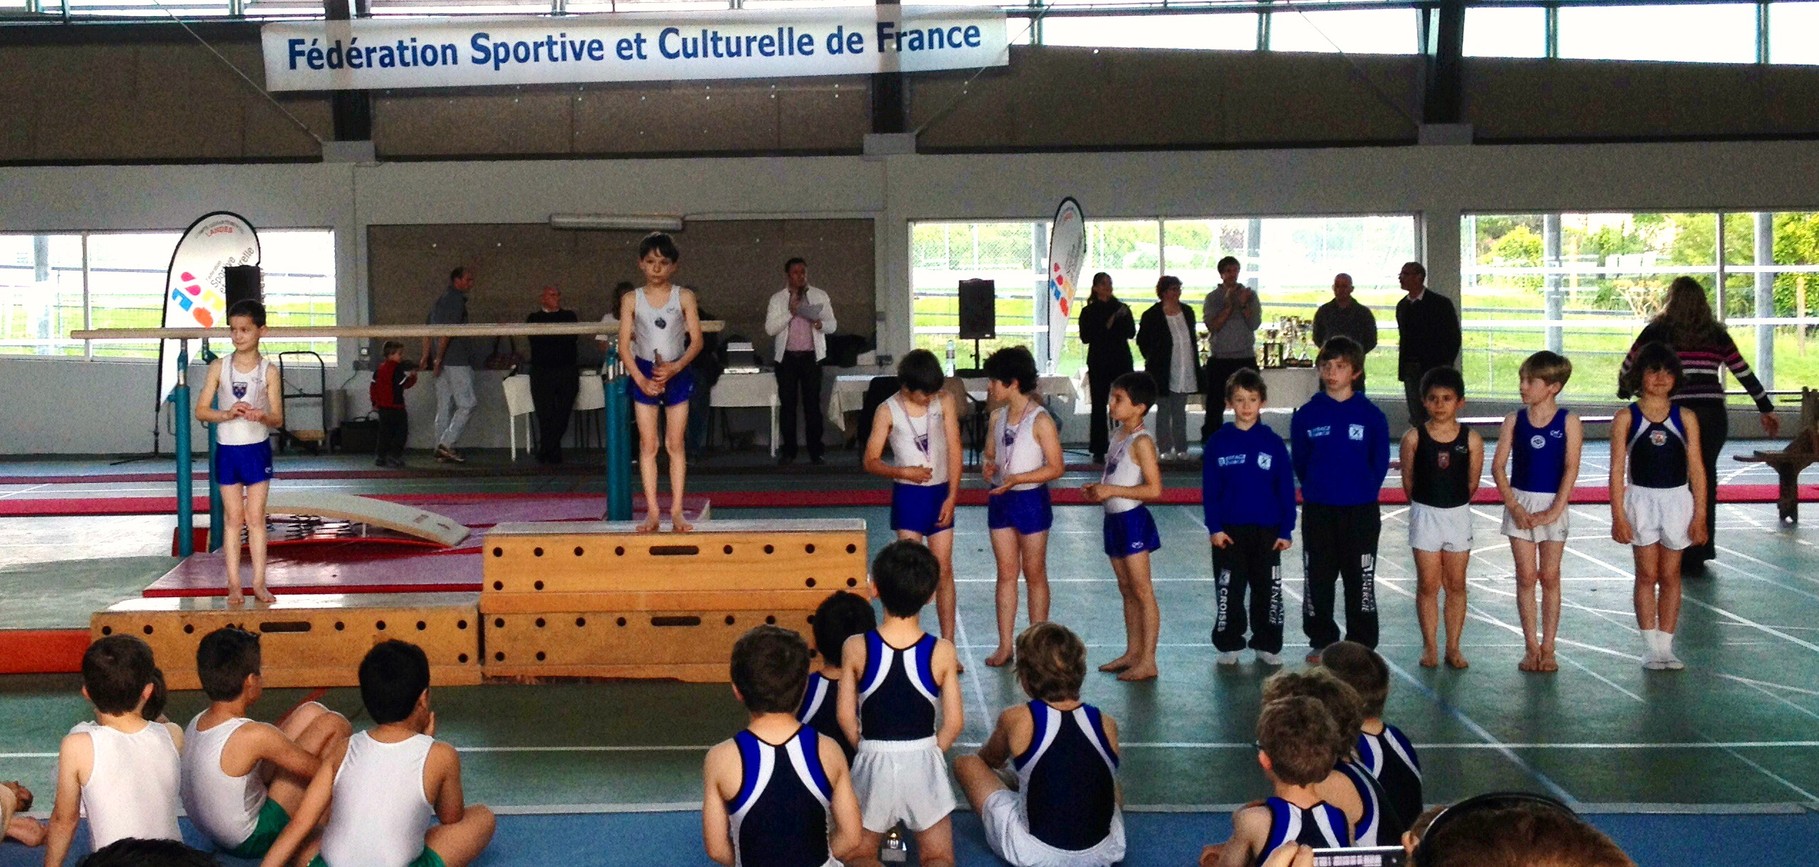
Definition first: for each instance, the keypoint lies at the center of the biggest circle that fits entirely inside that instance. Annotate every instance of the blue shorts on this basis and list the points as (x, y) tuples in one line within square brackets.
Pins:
[(678, 390), (1028, 512), (917, 508), (1131, 532), (244, 465)]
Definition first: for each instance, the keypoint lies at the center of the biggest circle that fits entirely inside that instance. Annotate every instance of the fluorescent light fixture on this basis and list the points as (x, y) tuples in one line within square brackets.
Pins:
[(644, 222)]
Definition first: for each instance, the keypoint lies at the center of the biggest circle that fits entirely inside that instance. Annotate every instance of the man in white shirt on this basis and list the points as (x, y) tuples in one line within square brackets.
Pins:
[(799, 319)]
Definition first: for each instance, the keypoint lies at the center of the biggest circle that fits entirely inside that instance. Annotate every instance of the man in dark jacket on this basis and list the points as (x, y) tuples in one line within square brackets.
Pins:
[(1106, 327), (555, 378), (1428, 327)]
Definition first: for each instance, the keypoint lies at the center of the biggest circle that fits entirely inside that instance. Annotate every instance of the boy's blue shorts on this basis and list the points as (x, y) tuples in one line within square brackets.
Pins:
[(916, 508), (678, 390), (244, 465), (1131, 532), (1028, 511)]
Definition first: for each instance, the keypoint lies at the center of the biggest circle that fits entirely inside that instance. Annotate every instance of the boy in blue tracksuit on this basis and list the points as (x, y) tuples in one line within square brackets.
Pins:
[(1340, 443), (1248, 489)]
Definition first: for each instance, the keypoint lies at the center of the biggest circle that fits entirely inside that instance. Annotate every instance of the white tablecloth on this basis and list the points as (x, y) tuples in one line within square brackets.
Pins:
[(1290, 387), (748, 390)]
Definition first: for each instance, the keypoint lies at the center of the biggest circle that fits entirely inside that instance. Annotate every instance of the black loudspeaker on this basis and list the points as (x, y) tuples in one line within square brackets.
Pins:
[(978, 310), (244, 283)]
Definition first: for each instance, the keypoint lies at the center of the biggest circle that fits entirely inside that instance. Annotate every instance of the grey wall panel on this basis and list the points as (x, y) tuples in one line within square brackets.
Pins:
[(1539, 100)]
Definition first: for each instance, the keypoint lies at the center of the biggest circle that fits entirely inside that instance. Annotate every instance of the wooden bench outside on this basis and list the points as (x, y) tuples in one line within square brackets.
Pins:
[(1801, 452)]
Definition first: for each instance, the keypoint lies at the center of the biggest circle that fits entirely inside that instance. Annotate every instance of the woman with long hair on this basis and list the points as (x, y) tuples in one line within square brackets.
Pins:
[(1705, 348), (1171, 356)]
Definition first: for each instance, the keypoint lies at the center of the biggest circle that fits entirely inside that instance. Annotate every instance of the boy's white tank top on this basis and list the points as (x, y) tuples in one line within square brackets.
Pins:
[(380, 813), (225, 808), (659, 329), (1018, 451), (1122, 469), (919, 442), (233, 388), (132, 791)]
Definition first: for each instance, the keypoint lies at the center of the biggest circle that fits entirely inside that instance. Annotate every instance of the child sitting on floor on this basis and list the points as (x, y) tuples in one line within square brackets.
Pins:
[(840, 616), (1383, 750), (1295, 745), (1065, 807)]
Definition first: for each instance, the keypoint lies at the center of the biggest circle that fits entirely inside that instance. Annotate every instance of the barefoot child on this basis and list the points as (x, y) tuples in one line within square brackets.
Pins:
[(1022, 455), (922, 427), (249, 386), (1295, 738), (1657, 496), (1536, 464), (659, 334), (1248, 491), (1441, 459), (1131, 479)]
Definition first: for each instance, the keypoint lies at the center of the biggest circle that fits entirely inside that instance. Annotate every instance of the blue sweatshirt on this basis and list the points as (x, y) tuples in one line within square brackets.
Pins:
[(1342, 450), (1247, 479)]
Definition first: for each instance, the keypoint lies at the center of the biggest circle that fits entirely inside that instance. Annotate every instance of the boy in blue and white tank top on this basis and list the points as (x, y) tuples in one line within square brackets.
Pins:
[(1130, 478), (1022, 455), (921, 424), (659, 334), (1657, 496), (900, 702), (243, 398), (1536, 465), (1296, 739), (774, 788), (839, 617), (1065, 809)]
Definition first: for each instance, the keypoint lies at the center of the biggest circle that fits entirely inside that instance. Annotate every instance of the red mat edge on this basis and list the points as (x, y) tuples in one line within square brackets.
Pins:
[(1182, 496), (42, 651)]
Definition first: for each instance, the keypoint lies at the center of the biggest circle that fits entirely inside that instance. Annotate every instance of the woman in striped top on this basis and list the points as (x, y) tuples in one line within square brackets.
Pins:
[(1686, 323)]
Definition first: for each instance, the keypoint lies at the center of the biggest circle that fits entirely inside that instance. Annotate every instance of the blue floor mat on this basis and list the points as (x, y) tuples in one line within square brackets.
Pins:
[(674, 838)]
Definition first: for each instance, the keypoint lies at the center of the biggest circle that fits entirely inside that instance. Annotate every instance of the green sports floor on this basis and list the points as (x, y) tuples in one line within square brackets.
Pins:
[(1737, 732)]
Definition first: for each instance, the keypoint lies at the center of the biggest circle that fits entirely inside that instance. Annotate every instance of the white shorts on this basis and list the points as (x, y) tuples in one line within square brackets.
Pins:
[(1007, 832), (1431, 528), (1535, 503), (901, 781), (1659, 515)]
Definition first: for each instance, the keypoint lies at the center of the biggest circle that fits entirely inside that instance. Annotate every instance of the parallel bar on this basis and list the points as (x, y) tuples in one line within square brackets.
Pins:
[(280, 332)]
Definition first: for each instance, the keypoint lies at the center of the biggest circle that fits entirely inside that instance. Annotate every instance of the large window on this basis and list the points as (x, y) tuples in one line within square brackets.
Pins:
[(1705, 33), (1584, 284), (1290, 261), (51, 285)]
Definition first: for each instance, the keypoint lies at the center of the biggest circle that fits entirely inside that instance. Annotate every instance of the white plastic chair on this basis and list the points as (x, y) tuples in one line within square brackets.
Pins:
[(519, 404), (589, 397)]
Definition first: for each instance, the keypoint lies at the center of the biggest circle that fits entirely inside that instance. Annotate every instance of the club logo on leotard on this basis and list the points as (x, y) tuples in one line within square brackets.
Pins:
[(1536, 442), (1657, 437), (1445, 459), (239, 390), (662, 323)]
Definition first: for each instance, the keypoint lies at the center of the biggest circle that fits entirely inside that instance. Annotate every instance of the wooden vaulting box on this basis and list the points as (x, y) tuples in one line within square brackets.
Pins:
[(601, 600)]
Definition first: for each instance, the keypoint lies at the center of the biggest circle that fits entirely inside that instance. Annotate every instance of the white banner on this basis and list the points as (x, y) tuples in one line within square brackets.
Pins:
[(195, 290), (1066, 253), (479, 52)]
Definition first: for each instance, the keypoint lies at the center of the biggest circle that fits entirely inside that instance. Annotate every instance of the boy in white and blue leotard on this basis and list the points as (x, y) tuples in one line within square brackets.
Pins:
[(1065, 809), (243, 398), (900, 701), (1022, 455), (773, 787), (1296, 738), (1536, 464), (921, 424), (1130, 478), (840, 616), (659, 334), (1657, 496)]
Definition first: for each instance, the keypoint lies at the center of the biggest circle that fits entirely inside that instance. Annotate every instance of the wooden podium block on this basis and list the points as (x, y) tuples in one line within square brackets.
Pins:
[(820, 556), (307, 640), (692, 646)]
